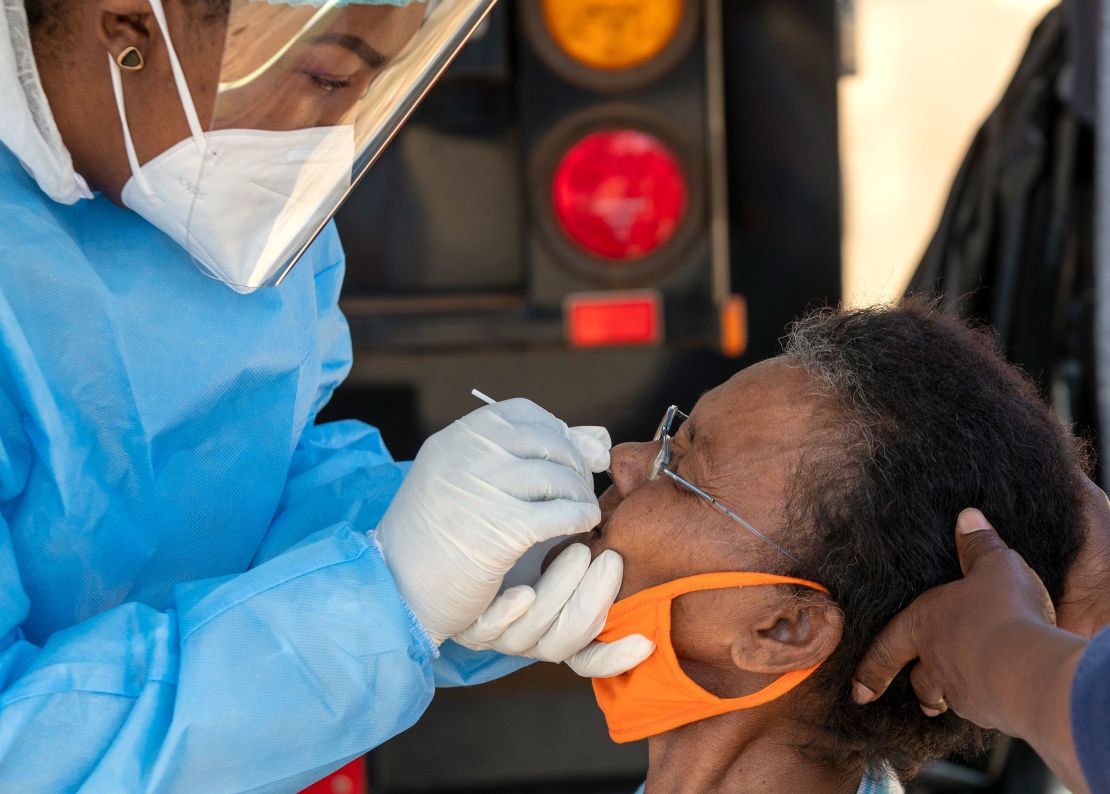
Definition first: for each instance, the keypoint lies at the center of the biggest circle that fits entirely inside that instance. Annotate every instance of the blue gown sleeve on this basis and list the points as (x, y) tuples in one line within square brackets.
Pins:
[(1090, 712), (263, 681), (340, 471)]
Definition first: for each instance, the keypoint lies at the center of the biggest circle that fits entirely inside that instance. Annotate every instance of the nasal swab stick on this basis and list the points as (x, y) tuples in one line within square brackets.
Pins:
[(483, 397)]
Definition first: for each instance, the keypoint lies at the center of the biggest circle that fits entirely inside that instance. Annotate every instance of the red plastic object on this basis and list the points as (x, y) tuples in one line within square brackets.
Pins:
[(619, 194), (609, 319), (350, 779)]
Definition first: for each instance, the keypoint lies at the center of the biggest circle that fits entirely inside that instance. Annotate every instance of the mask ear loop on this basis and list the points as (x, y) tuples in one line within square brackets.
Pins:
[(128, 144), (179, 77), (183, 94)]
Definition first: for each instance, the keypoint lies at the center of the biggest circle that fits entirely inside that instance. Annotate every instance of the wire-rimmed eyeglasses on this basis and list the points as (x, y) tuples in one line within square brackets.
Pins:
[(661, 465)]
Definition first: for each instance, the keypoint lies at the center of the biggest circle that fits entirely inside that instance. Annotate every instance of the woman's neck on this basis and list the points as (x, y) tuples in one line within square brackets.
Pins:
[(737, 753)]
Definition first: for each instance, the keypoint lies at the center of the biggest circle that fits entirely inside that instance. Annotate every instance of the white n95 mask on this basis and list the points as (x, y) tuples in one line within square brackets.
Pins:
[(308, 94), (236, 200)]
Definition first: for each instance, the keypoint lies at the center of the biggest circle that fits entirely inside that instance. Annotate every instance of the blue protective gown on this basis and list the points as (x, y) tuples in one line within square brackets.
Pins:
[(189, 599)]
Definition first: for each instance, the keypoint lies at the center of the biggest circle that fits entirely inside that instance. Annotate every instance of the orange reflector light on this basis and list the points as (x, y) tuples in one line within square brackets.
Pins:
[(619, 194), (613, 34), (734, 326), (610, 319)]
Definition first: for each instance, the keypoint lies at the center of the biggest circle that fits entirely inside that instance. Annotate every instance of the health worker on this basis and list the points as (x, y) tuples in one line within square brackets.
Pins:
[(202, 588)]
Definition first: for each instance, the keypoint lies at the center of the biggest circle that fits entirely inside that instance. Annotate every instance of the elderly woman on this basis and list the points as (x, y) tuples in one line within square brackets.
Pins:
[(842, 464)]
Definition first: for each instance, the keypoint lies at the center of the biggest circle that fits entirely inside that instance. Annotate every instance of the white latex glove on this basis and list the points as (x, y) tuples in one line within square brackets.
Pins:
[(558, 619), (481, 492)]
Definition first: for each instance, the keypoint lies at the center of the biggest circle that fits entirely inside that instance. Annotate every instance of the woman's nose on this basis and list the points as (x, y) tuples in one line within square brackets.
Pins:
[(629, 465)]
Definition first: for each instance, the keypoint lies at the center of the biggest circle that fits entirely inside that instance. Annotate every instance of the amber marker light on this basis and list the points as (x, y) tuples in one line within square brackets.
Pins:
[(613, 34)]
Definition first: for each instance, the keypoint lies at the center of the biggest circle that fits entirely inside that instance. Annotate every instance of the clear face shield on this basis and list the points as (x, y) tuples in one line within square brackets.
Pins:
[(308, 95)]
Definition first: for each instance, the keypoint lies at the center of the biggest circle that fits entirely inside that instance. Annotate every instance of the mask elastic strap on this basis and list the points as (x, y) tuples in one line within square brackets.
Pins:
[(179, 76), (183, 94), (128, 144), (707, 581), (773, 691)]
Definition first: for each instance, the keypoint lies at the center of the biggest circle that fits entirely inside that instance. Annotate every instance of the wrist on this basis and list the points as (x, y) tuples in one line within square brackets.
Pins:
[(1009, 672), (1033, 669), (1042, 660), (1052, 736), (1047, 728)]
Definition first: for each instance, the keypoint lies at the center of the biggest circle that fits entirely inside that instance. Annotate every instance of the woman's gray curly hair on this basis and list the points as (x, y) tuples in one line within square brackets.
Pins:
[(926, 418)]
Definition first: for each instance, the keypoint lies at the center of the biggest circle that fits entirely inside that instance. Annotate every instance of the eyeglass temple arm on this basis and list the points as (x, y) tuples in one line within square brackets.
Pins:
[(720, 508)]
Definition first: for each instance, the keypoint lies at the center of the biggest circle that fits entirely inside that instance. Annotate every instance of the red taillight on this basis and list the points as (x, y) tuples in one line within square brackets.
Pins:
[(351, 779), (607, 319), (619, 194)]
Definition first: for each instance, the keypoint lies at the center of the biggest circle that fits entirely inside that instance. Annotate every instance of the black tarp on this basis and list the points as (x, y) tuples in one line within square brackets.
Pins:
[(1014, 245)]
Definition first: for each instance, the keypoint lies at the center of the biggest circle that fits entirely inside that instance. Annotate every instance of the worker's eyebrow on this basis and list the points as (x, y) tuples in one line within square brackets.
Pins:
[(373, 58)]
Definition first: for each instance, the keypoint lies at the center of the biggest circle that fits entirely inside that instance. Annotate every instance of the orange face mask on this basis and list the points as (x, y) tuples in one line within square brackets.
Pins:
[(657, 696)]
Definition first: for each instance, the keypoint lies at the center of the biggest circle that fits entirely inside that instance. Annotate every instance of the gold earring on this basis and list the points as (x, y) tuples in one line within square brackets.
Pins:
[(130, 60)]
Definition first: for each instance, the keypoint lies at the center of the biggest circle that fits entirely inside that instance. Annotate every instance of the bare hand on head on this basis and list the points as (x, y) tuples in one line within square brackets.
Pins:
[(985, 646)]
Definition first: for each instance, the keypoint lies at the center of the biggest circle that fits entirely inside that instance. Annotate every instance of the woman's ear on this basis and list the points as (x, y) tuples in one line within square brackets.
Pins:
[(794, 632)]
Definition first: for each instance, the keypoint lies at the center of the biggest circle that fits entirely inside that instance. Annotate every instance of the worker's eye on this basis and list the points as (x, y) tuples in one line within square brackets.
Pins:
[(328, 83)]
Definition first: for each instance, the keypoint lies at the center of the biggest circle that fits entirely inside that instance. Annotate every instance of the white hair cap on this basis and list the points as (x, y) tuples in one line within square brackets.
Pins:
[(27, 125)]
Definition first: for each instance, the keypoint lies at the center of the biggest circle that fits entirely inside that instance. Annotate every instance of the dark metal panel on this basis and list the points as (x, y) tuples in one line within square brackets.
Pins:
[(783, 156)]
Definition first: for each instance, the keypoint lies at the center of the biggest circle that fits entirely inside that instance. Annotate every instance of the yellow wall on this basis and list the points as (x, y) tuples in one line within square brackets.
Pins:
[(928, 73)]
